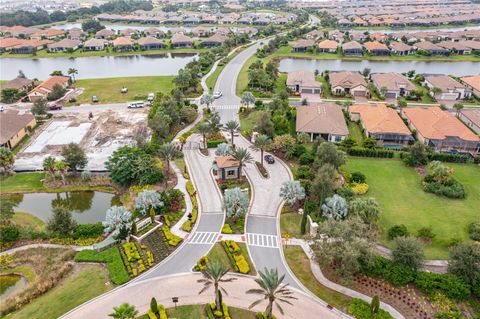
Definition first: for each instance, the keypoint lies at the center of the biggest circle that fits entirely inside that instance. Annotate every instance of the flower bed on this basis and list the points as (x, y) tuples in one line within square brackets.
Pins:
[(237, 260), (136, 258), (201, 264), (212, 313), (188, 224), (156, 244), (172, 239)]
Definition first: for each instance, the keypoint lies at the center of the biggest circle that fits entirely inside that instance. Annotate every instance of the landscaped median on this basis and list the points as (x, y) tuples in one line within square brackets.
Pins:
[(231, 255), (188, 224)]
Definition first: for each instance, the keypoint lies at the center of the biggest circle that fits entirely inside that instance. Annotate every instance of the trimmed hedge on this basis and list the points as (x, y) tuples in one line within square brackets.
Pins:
[(88, 230), (187, 226), (237, 260), (173, 240), (368, 152), (226, 229), (214, 143), (446, 157)]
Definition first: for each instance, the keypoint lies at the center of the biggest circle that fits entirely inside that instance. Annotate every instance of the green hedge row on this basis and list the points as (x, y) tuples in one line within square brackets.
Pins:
[(445, 157), (361, 310), (214, 143), (370, 152)]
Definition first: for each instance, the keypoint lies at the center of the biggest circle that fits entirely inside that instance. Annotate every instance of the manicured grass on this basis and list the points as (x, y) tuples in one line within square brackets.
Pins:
[(87, 282), (218, 253), (355, 132), (28, 220), (242, 80), (290, 224), (24, 182), (397, 189), (112, 258), (247, 122), (300, 265), (79, 53), (212, 79), (108, 90), (198, 311), (281, 84), (425, 97)]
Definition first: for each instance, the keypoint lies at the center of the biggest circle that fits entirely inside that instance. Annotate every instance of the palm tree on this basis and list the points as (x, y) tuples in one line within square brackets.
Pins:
[(261, 143), (168, 152), (124, 311), (72, 72), (458, 107), (436, 91), (213, 275), (49, 166), (242, 156), (271, 289), (204, 129), (207, 99), (62, 167), (247, 98), (232, 127)]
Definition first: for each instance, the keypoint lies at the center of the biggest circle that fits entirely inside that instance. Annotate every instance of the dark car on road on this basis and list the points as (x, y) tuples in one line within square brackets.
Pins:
[(269, 159), (55, 107)]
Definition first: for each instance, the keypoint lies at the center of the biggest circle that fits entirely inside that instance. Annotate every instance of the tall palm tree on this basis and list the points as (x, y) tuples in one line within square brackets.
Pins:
[(213, 275), (62, 167), (261, 143), (272, 289), (242, 156), (247, 98), (204, 129), (232, 127), (72, 72), (168, 152), (124, 311), (49, 166)]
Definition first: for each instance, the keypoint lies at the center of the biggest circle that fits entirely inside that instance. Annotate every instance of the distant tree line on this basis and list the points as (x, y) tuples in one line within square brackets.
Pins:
[(27, 18)]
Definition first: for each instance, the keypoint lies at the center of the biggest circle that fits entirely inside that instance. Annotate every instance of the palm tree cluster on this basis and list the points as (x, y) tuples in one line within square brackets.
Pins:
[(52, 166)]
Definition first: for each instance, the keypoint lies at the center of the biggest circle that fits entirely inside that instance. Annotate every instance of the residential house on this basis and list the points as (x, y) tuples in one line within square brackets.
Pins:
[(472, 82), (95, 44), (314, 35), (302, 45), (7, 43), (174, 31), (323, 120), (329, 46), (449, 89), (150, 43), (455, 47), (21, 84), (376, 48), (47, 34), (64, 45), (14, 127), (303, 82), (154, 32), (76, 34), (200, 31), (251, 31), (344, 23), (105, 34), (473, 45), (226, 167), (400, 48), (359, 22), (396, 84), (122, 44), (335, 35), (30, 46), (347, 83), (20, 31), (42, 90), (128, 32), (357, 36), (471, 118), (381, 123), (431, 48), (222, 30), (213, 41), (181, 41), (191, 20), (441, 130), (352, 48)]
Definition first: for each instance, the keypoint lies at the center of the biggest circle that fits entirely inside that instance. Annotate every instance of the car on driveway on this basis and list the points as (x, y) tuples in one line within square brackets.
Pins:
[(54, 107), (217, 94), (94, 99), (269, 159)]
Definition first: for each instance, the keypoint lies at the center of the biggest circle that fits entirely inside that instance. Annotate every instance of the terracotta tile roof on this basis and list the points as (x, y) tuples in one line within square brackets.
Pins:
[(428, 46), (324, 118), (346, 79), (444, 82), (122, 41), (303, 43), (392, 81), (328, 44), (375, 45), (380, 119), (433, 123), (216, 38), (65, 43), (48, 33), (181, 38), (94, 42), (47, 86), (105, 33), (472, 114), (9, 42), (352, 45), (302, 78), (226, 161), (149, 40), (11, 123), (17, 83), (400, 46), (473, 81)]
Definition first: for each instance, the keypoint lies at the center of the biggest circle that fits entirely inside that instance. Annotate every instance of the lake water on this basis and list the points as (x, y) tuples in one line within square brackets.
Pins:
[(86, 206), (457, 68), (117, 27), (10, 284), (97, 67)]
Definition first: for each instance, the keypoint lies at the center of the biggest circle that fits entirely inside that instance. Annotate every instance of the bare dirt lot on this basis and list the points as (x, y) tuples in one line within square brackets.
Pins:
[(99, 137)]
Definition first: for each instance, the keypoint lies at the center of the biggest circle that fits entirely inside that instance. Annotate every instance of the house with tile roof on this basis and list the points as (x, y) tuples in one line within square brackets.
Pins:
[(352, 48), (381, 123), (42, 90), (324, 120), (14, 127), (441, 130), (473, 82), (64, 45), (122, 44), (431, 48), (214, 40), (150, 43), (302, 45), (449, 88), (105, 34), (329, 46), (226, 167), (95, 44), (376, 48), (181, 41), (396, 84), (400, 48), (303, 82), (471, 118), (347, 83)]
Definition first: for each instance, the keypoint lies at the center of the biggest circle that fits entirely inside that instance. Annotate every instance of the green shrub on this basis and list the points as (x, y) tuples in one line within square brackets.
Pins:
[(358, 177), (201, 263), (214, 143), (172, 239), (450, 189), (368, 152), (445, 157), (9, 234), (226, 229), (390, 271), (361, 310), (452, 286), (88, 230), (111, 256), (306, 158), (304, 172), (398, 231), (474, 231), (426, 233), (187, 226)]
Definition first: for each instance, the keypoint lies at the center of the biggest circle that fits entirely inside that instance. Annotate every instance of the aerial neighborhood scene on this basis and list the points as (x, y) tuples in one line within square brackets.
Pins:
[(237, 159)]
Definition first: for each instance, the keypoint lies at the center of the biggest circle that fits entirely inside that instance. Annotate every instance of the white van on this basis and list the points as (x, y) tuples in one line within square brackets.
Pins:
[(136, 104), (151, 97)]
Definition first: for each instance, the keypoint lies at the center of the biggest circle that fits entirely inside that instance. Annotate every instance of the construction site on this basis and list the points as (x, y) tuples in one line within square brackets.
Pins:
[(99, 133)]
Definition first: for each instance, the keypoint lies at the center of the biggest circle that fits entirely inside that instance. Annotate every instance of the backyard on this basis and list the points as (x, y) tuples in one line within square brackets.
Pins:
[(108, 90), (397, 189)]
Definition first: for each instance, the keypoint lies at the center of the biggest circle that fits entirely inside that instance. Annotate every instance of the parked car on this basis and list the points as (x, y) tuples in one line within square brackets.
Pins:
[(94, 99), (217, 94), (151, 96), (2, 108), (55, 107), (136, 104), (269, 159)]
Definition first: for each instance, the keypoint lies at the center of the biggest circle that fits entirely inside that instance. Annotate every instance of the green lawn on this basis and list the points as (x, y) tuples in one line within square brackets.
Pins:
[(80, 286), (218, 253), (355, 132), (198, 312), (281, 84), (108, 90), (290, 224), (25, 182), (25, 270), (247, 122), (397, 189), (242, 80), (28, 220), (300, 265), (426, 97)]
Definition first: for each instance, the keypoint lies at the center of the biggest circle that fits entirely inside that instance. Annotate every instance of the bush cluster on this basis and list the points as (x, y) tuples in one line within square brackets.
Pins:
[(212, 313), (201, 264), (361, 310), (474, 231), (369, 152), (238, 261), (172, 239), (88, 231), (214, 143), (359, 188), (398, 231), (446, 157), (451, 188), (226, 229)]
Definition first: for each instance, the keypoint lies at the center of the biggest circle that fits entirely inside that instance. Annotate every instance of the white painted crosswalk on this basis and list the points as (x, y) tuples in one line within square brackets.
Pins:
[(203, 238), (226, 107), (262, 240)]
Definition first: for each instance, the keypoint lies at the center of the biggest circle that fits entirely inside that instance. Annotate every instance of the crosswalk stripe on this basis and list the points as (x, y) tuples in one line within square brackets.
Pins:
[(203, 238), (262, 240), (226, 107)]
